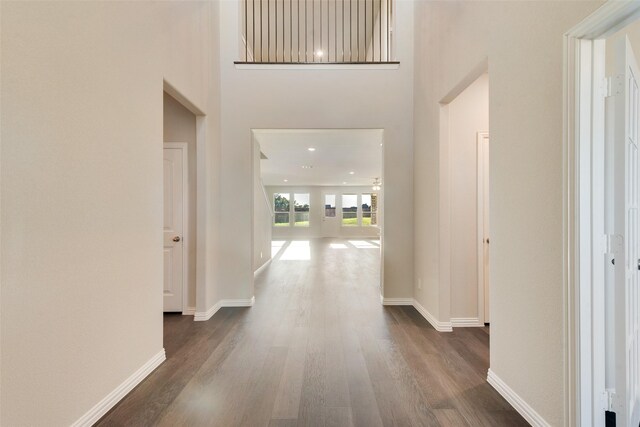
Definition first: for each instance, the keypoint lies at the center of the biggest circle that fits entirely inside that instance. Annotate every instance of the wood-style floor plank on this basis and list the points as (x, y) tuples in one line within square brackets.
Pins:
[(317, 349)]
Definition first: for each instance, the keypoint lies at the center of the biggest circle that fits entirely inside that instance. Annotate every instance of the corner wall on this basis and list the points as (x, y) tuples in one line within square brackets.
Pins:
[(523, 42), (81, 174)]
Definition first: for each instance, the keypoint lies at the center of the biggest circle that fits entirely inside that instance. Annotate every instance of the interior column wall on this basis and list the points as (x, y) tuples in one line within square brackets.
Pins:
[(523, 42), (82, 106)]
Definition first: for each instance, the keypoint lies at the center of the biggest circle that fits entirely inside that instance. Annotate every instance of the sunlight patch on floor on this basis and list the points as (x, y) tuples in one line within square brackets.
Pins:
[(299, 250), (338, 246), (363, 244), (276, 247)]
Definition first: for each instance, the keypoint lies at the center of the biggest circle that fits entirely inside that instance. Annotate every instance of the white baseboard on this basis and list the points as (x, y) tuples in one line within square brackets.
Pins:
[(438, 325), (239, 302), (396, 301), (466, 322), (203, 316), (121, 391), (190, 311), (527, 412), (262, 267)]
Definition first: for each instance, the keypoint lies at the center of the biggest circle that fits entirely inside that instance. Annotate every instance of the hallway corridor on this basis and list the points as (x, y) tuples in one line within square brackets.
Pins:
[(317, 349)]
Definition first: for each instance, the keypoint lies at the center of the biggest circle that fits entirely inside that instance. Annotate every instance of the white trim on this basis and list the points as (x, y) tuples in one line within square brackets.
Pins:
[(190, 311), (262, 267), (337, 67), (186, 237), (523, 408), (481, 175), (466, 322), (239, 302), (203, 316), (102, 407), (438, 325), (582, 357), (396, 301)]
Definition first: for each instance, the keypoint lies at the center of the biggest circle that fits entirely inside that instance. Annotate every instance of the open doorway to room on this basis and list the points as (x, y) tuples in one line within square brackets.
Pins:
[(465, 164), (179, 210), (603, 237), (318, 195)]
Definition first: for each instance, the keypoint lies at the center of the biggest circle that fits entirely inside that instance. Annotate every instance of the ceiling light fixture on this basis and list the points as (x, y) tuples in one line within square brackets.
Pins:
[(352, 173), (311, 149), (319, 53), (307, 166), (376, 184), (286, 180), (344, 182)]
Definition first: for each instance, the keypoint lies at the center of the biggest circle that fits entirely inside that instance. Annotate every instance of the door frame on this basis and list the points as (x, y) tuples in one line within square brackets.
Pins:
[(186, 237), (583, 205), (481, 173)]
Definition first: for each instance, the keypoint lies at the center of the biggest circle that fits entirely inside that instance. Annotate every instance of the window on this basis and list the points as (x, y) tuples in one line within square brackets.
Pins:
[(366, 209), (330, 206), (301, 209), (349, 210), (281, 209)]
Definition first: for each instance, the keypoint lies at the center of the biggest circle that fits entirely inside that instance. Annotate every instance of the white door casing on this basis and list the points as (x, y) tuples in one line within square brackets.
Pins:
[(483, 226), (175, 218), (623, 327)]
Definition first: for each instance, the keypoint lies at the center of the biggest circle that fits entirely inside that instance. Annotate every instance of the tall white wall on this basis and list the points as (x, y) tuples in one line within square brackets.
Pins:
[(81, 271), (468, 115), (523, 42), (316, 209), (315, 99)]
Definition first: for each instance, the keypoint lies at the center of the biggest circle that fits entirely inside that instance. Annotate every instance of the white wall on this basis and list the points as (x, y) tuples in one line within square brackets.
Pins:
[(262, 215), (316, 208), (468, 115), (316, 99), (81, 271), (179, 125), (523, 43)]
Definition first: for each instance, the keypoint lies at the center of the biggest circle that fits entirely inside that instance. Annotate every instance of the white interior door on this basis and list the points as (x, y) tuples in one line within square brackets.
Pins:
[(330, 220), (623, 326), (174, 203), (483, 227)]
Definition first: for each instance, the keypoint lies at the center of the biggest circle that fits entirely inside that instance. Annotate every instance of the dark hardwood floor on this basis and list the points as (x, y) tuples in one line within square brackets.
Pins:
[(317, 349)]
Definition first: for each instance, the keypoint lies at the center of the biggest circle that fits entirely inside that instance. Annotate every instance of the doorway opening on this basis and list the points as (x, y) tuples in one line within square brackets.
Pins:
[(601, 204), (465, 228), (317, 190)]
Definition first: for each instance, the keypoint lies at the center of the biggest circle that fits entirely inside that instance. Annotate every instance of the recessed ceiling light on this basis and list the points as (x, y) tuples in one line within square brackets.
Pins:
[(344, 182), (286, 180), (319, 53), (307, 166), (311, 149), (352, 173)]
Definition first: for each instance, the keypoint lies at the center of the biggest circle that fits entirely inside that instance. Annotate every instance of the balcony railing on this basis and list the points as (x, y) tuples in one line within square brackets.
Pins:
[(317, 31)]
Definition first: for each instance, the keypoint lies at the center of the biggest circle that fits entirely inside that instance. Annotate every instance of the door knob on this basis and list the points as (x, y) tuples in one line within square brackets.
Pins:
[(176, 239)]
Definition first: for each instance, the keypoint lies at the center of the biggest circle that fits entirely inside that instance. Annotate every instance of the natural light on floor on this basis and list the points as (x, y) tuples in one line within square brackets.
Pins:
[(276, 247), (338, 246), (298, 250), (363, 244)]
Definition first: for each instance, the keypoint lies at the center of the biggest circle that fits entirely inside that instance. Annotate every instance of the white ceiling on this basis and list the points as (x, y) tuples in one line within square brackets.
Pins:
[(337, 153)]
